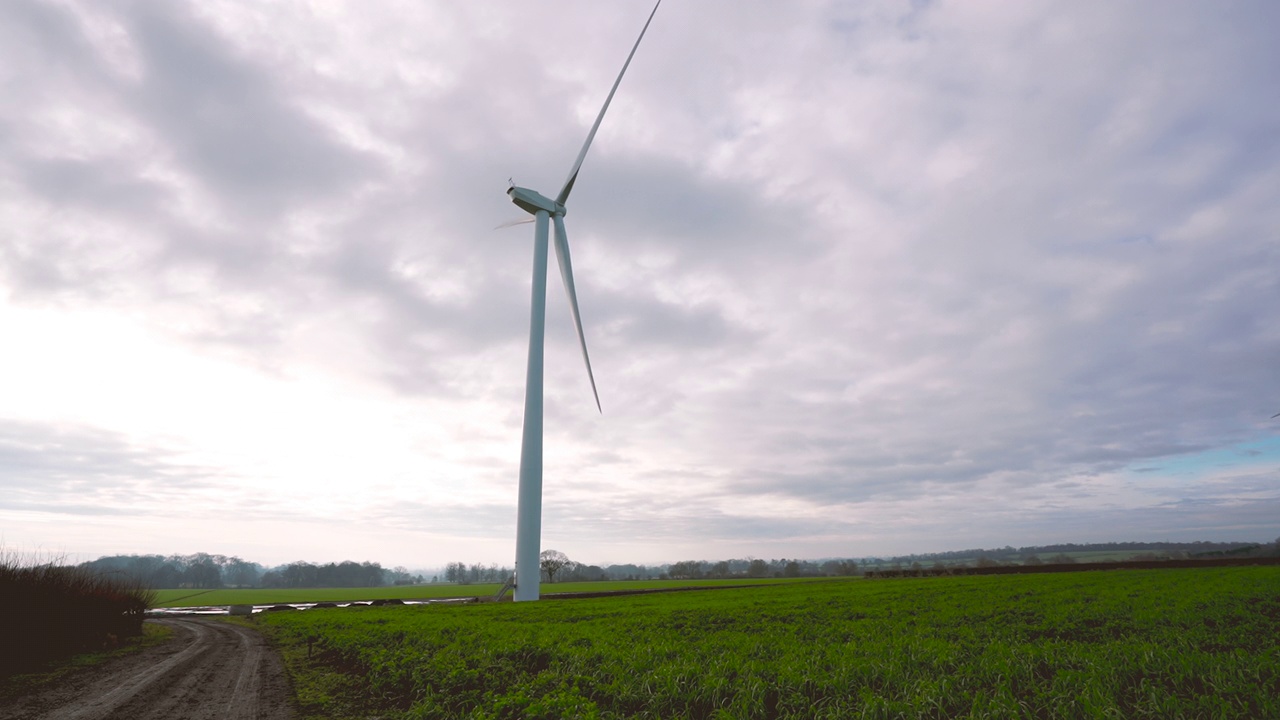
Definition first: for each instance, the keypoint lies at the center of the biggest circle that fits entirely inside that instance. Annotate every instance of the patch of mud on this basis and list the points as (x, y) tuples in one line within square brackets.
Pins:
[(207, 670)]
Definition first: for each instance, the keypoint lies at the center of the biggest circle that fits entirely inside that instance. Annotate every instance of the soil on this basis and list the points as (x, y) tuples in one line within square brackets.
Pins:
[(208, 669)]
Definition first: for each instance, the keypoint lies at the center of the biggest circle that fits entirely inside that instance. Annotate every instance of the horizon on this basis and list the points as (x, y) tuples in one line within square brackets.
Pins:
[(663, 563), (891, 276)]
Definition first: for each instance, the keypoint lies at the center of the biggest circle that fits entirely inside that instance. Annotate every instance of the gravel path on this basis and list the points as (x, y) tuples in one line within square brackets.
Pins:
[(209, 669)]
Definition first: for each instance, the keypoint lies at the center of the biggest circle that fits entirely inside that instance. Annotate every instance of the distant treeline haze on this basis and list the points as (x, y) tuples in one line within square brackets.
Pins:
[(203, 570)]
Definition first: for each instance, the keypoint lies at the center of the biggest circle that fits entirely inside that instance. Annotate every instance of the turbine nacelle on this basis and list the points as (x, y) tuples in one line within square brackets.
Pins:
[(532, 201)]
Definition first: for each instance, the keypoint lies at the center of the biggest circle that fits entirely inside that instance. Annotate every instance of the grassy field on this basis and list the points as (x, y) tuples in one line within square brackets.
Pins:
[(262, 596), (1118, 644)]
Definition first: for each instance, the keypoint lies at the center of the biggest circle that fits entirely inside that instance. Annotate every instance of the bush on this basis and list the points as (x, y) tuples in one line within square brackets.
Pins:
[(49, 611)]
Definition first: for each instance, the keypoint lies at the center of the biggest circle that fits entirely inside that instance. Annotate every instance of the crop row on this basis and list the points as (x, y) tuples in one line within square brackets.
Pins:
[(1159, 643)]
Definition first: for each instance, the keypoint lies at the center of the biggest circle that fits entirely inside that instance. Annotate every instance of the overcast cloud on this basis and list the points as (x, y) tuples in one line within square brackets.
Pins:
[(857, 278)]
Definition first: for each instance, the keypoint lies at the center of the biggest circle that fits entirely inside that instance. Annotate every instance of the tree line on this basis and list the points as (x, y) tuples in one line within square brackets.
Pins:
[(555, 567), (205, 571), (1061, 553)]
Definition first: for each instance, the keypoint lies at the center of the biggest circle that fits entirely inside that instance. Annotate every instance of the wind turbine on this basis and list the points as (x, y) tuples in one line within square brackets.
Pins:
[(544, 210)]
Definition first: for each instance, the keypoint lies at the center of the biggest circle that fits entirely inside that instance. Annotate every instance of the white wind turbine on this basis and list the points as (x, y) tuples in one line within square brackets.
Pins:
[(542, 208)]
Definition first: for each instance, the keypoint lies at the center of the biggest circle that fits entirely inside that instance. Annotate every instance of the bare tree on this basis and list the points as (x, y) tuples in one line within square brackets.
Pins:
[(455, 572), (685, 570), (552, 562)]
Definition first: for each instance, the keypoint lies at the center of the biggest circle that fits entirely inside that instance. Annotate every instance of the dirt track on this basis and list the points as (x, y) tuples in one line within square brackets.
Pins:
[(209, 669)]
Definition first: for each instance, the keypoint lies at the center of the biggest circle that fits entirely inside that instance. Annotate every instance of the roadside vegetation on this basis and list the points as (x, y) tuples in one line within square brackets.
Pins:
[(1122, 643), (50, 611)]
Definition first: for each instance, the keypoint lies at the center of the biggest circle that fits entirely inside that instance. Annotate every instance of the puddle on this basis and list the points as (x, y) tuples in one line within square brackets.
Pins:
[(226, 609)]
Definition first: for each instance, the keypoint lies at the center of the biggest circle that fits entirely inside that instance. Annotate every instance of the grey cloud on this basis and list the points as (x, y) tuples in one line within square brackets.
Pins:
[(67, 508), (228, 123), (47, 37), (52, 468), (95, 185), (634, 322), (36, 454), (446, 518), (1250, 520), (236, 128), (639, 204), (638, 519), (936, 253)]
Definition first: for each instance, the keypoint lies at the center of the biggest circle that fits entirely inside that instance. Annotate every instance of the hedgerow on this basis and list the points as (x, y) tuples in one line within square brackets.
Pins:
[(49, 610)]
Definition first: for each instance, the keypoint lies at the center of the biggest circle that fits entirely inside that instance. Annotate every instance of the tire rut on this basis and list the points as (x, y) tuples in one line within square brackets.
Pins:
[(210, 669)]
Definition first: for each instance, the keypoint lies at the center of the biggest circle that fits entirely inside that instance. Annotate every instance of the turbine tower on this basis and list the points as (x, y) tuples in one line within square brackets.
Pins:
[(545, 210)]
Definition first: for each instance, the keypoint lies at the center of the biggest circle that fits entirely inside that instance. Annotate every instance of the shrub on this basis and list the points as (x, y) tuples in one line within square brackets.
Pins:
[(48, 610)]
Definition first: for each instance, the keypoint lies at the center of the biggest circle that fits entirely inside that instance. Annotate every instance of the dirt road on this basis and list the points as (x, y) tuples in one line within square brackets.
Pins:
[(209, 669)]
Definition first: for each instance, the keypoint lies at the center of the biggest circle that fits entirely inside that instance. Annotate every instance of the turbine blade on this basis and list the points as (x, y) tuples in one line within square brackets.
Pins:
[(566, 274), (573, 174), (513, 223)]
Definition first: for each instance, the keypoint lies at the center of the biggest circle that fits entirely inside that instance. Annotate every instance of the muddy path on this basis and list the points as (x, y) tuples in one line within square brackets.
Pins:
[(208, 669)]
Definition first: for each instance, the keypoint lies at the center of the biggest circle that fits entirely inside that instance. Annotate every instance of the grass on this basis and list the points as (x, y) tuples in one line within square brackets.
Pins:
[(1122, 643), (269, 596)]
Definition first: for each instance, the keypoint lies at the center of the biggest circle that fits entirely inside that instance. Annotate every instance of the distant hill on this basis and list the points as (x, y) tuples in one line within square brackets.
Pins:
[(1081, 552)]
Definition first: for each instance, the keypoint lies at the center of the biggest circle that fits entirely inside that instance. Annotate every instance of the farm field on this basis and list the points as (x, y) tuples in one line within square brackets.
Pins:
[(268, 596), (1119, 643)]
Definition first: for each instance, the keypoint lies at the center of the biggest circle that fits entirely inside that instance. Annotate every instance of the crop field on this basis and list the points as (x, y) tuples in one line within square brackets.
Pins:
[(267, 596), (1117, 644)]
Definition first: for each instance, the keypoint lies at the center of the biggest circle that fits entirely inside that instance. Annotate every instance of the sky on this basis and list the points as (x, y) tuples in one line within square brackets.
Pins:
[(856, 278)]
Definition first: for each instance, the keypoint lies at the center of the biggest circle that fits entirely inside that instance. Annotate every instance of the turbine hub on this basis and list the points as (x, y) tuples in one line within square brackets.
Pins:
[(532, 201)]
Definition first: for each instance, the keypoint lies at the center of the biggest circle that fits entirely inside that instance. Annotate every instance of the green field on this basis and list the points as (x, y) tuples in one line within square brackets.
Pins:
[(264, 596), (1116, 644)]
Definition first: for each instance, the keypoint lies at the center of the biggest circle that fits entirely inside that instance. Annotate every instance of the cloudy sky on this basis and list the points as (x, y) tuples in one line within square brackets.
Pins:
[(857, 278)]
